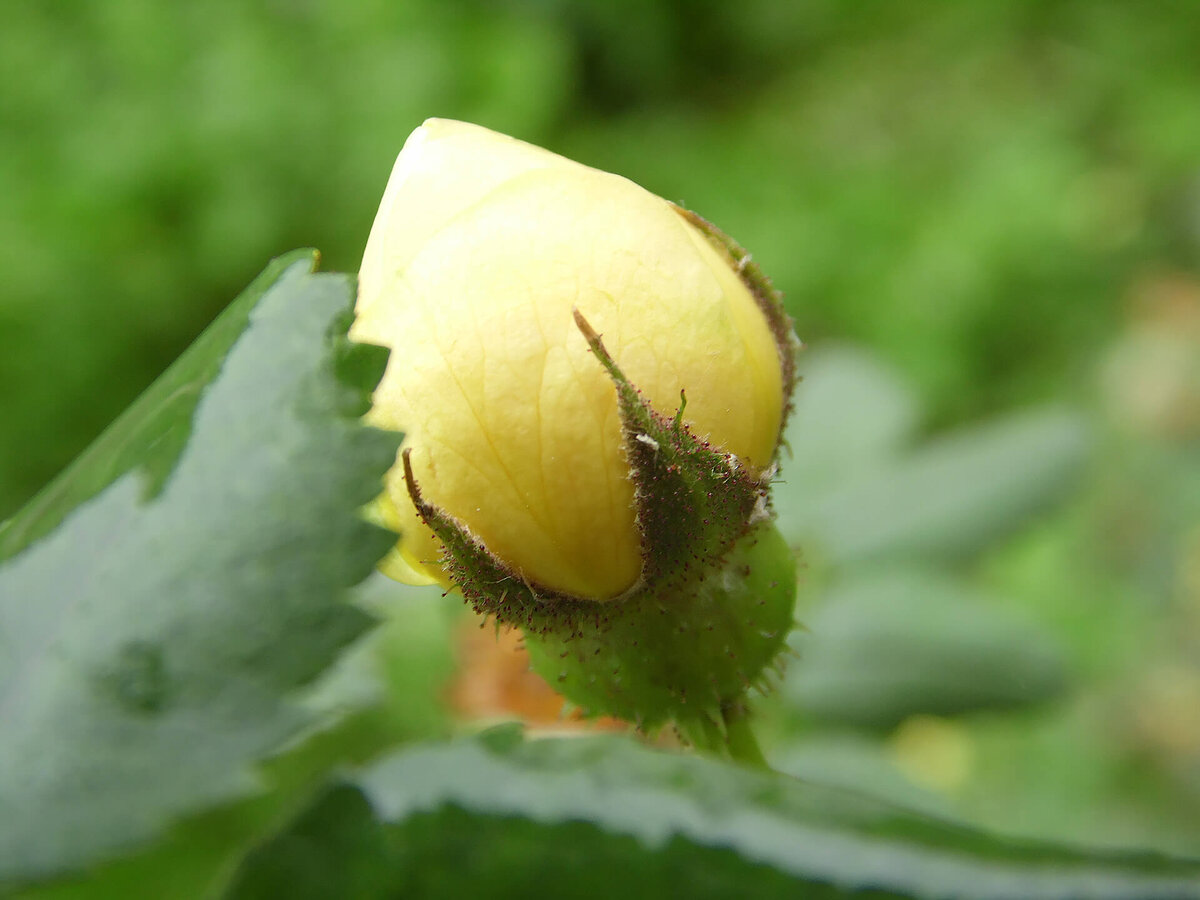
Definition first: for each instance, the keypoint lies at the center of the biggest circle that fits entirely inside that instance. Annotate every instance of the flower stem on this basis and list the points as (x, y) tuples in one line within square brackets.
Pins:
[(740, 739), (733, 738), (705, 735)]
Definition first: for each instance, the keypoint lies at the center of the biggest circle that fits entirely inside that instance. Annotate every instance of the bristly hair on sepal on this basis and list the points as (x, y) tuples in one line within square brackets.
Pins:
[(692, 502), (766, 295), (490, 586)]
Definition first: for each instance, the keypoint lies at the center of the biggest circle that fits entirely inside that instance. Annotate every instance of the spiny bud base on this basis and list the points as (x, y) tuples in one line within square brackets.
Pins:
[(685, 651), (708, 616)]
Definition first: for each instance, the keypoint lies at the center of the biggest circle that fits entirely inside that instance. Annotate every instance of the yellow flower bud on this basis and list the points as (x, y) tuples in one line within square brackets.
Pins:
[(481, 250)]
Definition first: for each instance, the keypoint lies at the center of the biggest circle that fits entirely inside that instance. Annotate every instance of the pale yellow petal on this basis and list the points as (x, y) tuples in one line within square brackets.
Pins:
[(445, 168), (512, 423)]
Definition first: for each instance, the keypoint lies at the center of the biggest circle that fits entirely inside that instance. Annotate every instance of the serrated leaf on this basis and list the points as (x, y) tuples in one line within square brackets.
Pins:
[(408, 659), (604, 816), (948, 500), (885, 645), (151, 647)]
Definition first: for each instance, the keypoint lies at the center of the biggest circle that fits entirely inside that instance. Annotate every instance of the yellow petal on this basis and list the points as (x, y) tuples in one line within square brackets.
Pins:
[(512, 424)]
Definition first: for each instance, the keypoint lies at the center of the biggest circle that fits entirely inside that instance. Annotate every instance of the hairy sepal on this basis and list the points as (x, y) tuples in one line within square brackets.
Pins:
[(681, 652)]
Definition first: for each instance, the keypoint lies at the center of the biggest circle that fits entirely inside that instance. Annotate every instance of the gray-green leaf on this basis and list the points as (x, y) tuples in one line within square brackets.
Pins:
[(948, 500), (152, 645), (887, 644), (604, 816)]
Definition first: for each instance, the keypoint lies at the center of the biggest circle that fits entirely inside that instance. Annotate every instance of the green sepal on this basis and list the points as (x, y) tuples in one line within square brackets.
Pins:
[(490, 586), (680, 653), (692, 501)]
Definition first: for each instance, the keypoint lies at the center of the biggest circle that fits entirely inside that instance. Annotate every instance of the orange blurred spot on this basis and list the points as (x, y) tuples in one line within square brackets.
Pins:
[(494, 681)]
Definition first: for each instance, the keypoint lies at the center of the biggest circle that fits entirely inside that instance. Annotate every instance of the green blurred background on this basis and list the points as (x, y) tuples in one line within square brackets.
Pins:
[(986, 206)]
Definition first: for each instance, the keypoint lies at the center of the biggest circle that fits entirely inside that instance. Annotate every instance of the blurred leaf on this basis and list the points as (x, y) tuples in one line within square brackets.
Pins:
[(883, 646), (339, 849), (335, 848), (856, 761), (851, 413), (151, 649), (604, 816), (948, 500), (851, 416)]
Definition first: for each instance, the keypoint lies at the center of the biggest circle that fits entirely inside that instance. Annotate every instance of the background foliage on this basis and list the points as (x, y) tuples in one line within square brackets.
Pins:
[(997, 204), (973, 189)]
